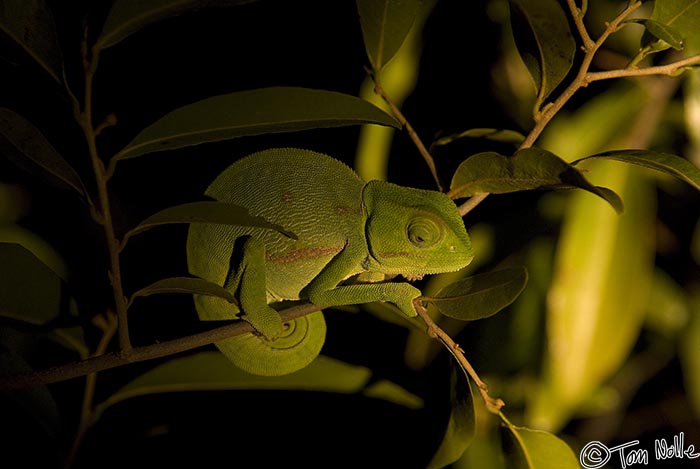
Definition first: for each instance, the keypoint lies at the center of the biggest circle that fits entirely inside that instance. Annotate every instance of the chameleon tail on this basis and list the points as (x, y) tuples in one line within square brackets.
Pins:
[(294, 348)]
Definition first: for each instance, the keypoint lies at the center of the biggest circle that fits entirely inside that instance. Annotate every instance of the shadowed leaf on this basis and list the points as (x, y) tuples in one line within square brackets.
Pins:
[(664, 162), (682, 17), (545, 42), (209, 371), (530, 168), (30, 291), (184, 285), (462, 423), (25, 145), (254, 112), (661, 31), (497, 135), (128, 16), (385, 25), (30, 25), (481, 295), (205, 212)]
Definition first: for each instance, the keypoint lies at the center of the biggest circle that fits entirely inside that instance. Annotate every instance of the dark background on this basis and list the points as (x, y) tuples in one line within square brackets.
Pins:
[(310, 43)]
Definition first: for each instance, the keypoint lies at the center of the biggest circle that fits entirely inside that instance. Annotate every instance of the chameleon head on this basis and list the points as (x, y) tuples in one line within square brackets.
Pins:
[(413, 231)]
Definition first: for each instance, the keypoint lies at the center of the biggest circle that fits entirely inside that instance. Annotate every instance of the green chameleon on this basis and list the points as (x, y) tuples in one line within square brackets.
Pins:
[(352, 237)]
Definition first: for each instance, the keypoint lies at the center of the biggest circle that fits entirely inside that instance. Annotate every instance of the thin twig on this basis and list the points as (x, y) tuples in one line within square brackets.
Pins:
[(109, 328), (493, 404), (670, 69), (543, 117), (138, 354), (471, 203), (577, 14), (105, 210), (410, 131)]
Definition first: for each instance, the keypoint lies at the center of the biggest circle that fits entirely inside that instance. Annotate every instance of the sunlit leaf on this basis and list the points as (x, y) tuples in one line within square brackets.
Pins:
[(668, 311), (209, 371), (206, 212), (461, 425), (128, 16), (385, 25), (683, 17), (481, 295), (544, 40), (497, 135), (596, 308), (30, 25), (665, 162), (598, 124), (25, 145), (525, 448), (254, 112), (184, 285), (527, 169)]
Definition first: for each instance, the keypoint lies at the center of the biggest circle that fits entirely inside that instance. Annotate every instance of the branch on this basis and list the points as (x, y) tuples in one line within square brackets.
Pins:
[(670, 69), (471, 203), (493, 404), (578, 14), (85, 120), (545, 115), (138, 354)]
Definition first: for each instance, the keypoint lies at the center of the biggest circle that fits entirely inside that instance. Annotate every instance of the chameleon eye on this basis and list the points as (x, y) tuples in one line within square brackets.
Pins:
[(423, 232)]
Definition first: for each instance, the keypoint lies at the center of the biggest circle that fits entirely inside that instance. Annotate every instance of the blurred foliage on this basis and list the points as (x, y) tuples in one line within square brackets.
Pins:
[(602, 342)]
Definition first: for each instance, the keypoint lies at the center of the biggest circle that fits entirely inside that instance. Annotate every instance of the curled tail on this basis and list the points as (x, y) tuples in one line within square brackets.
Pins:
[(294, 348)]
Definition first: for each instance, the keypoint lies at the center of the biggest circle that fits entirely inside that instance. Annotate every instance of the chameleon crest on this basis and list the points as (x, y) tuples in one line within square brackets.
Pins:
[(352, 235)]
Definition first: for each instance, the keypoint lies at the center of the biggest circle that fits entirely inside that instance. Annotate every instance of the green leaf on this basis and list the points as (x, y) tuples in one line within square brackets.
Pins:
[(595, 308), (527, 169), (30, 25), (662, 32), (525, 448), (683, 17), (254, 112), (29, 291), (497, 135), (205, 212), (128, 16), (208, 371), (461, 425), (480, 296), (668, 309), (665, 162), (28, 148), (34, 405), (72, 338), (544, 40), (392, 392), (385, 25), (43, 251), (689, 352), (184, 285)]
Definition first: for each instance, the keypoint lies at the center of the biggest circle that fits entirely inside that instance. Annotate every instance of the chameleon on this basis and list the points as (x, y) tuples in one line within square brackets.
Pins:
[(353, 238)]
